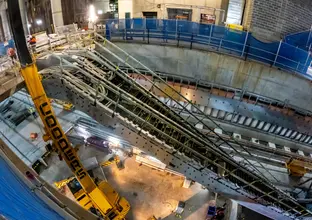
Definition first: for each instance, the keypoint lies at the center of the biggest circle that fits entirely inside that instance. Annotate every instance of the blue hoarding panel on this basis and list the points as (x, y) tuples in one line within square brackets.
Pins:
[(17, 201), (288, 56)]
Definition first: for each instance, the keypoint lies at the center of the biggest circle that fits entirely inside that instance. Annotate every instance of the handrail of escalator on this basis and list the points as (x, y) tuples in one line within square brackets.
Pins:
[(181, 105)]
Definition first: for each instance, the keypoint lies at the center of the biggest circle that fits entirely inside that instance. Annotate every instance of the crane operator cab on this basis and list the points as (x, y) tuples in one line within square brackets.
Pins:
[(84, 200)]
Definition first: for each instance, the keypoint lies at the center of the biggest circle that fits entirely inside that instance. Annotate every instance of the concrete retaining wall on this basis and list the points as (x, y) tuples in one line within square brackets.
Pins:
[(225, 70)]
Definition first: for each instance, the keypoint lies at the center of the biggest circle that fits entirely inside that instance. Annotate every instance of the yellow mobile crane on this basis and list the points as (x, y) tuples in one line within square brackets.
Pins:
[(102, 197), (77, 191)]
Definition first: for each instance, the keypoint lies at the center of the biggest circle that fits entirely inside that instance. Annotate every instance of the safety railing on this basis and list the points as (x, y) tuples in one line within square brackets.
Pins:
[(52, 43), (209, 37), (48, 43), (302, 39)]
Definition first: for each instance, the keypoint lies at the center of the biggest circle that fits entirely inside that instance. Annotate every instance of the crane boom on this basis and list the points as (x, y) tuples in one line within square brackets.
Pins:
[(109, 209), (55, 132)]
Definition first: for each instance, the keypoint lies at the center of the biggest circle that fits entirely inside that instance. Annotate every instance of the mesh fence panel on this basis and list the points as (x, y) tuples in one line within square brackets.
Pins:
[(301, 40), (291, 58)]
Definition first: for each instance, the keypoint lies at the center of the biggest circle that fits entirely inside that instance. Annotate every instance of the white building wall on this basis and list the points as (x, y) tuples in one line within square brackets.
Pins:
[(57, 14), (125, 6), (198, 7)]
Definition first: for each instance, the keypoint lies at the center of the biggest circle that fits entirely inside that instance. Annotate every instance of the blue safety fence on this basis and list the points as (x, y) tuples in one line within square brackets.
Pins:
[(260, 51), (293, 58), (211, 37), (17, 201), (302, 40)]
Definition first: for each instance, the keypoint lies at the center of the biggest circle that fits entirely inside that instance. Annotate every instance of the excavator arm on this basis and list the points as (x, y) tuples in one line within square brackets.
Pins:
[(53, 129)]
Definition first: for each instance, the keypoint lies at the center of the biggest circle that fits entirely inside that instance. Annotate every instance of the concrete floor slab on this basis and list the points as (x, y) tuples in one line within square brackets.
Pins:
[(149, 191), (152, 192), (18, 137)]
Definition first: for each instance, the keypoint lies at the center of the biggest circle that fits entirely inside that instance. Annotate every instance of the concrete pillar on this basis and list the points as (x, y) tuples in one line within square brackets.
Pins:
[(24, 16), (233, 210), (225, 7), (125, 6), (57, 13), (5, 21), (221, 171), (102, 5)]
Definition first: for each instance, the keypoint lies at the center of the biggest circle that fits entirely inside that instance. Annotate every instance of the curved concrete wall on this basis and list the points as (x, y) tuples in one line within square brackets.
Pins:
[(226, 70)]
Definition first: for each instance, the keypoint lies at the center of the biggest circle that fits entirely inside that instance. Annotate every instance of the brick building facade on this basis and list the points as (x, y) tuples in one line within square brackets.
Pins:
[(272, 19)]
